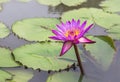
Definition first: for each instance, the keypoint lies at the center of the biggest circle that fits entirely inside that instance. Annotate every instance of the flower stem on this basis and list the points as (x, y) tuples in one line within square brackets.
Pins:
[(78, 59)]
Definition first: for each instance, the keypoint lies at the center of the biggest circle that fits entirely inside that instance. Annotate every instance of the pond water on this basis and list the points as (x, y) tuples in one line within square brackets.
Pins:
[(14, 11)]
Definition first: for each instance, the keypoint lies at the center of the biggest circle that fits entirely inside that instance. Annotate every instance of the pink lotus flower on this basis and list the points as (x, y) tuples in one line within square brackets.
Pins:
[(71, 33)]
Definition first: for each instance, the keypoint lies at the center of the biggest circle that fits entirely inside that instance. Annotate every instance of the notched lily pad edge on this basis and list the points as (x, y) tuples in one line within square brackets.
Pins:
[(11, 56), (68, 67), (62, 3), (8, 73), (74, 65)]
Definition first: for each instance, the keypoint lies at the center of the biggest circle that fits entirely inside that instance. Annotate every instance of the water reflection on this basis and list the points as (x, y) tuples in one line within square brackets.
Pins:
[(63, 8), (13, 11)]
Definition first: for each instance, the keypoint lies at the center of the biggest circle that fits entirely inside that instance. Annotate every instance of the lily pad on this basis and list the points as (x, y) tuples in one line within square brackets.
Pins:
[(24, 0), (57, 2), (3, 1), (4, 76), (111, 5), (35, 29), (50, 2), (20, 75), (103, 19), (6, 59), (69, 77), (102, 51), (115, 36), (114, 32), (114, 29), (73, 2), (4, 31), (93, 15), (81, 14), (44, 56)]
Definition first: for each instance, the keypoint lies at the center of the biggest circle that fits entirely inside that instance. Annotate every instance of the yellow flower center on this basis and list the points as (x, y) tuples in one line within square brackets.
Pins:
[(72, 33)]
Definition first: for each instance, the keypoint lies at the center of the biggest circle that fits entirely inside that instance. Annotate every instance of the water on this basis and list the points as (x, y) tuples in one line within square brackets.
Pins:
[(13, 11)]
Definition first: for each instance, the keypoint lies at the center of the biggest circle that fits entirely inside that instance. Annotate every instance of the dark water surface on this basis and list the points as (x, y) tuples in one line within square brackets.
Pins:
[(13, 11)]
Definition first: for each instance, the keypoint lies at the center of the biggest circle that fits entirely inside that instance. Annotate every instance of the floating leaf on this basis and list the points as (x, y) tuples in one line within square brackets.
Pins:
[(20, 75), (81, 14), (3, 1), (111, 5), (102, 51), (69, 77), (3, 30), (114, 29), (44, 56), (114, 32), (49, 2), (4, 76), (6, 59), (35, 29), (57, 2), (72, 2), (106, 20), (92, 15), (24, 0), (115, 36)]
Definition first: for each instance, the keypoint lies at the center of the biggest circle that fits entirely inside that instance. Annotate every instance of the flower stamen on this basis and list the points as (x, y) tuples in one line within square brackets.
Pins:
[(72, 33)]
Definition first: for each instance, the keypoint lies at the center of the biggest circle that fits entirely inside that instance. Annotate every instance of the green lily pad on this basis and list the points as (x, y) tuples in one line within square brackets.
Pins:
[(4, 31), (93, 15), (4, 76), (20, 75), (24, 0), (115, 36), (49, 2), (35, 29), (114, 29), (81, 14), (69, 77), (103, 19), (102, 51), (3, 1), (6, 59), (57, 2), (114, 32), (111, 5), (44, 56), (73, 2)]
